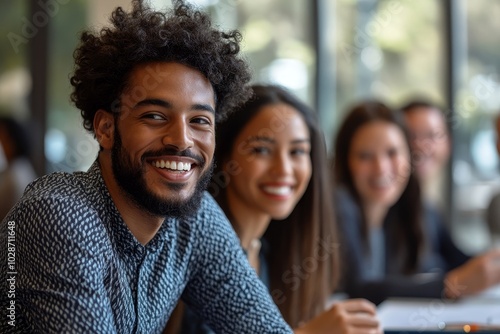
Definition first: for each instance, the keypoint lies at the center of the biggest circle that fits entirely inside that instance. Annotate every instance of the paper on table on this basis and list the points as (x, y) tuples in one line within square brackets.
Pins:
[(425, 314)]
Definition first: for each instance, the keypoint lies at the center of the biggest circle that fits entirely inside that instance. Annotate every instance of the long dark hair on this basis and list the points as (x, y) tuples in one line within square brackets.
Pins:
[(306, 239), (408, 208)]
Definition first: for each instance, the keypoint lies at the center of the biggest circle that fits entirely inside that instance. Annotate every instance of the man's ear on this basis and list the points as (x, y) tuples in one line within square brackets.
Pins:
[(104, 127)]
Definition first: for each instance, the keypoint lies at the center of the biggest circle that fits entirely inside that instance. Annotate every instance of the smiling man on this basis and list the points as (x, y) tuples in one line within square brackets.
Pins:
[(163, 164), (113, 249)]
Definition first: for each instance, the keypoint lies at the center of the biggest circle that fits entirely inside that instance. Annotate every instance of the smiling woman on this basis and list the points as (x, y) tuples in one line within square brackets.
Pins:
[(388, 236), (380, 165), (272, 182)]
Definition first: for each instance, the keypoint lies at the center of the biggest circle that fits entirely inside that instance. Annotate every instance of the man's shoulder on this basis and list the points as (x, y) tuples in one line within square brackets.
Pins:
[(210, 216), (209, 208), (74, 187), (56, 183), (58, 197)]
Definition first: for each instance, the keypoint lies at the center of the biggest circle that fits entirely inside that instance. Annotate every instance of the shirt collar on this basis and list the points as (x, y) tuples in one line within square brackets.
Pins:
[(123, 237)]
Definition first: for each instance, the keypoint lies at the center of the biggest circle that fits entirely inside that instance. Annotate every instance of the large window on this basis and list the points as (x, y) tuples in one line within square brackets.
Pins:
[(386, 49), (15, 81), (277, 39), (475, 166), (67, 146)]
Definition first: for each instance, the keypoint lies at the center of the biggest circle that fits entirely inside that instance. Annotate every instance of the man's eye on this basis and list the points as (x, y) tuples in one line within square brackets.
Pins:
[(201, 120)]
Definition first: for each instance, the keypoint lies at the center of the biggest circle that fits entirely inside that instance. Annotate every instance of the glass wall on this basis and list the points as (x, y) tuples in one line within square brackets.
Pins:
[(386, 49), (67, 146), (476, 165), (15, 79), (277, 39)]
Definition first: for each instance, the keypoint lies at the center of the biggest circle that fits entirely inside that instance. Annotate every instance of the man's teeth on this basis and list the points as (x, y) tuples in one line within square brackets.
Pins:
[(174, 165), (278, 190)]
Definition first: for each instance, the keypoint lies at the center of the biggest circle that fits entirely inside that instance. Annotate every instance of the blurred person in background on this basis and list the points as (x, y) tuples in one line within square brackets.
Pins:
[(392, 245), (493, 210), (272, 182), (430, 147), (16, 170)]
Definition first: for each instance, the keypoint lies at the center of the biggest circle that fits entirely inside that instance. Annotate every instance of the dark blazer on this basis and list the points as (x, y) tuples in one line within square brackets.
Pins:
[(440, 256)]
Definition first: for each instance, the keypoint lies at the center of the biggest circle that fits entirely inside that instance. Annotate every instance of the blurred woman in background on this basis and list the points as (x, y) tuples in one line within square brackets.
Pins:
[(389, 238)]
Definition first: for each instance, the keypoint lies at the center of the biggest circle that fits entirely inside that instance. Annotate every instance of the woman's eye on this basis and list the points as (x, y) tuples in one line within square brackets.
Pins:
[(260, 150), (155, 117), (299, 151), (364, 156)]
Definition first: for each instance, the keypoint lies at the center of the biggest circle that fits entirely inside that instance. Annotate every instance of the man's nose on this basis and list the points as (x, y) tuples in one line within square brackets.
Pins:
[(178, 135)]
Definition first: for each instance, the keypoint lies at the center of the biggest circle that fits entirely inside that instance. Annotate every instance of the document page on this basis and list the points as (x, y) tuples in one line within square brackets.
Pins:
[(437, 314)]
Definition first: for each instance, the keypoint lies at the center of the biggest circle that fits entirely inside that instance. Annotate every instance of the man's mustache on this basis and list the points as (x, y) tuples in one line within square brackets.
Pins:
[(169, 151)]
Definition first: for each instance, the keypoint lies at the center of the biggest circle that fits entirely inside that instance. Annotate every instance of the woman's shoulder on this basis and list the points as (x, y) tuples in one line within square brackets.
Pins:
[(345, 204)]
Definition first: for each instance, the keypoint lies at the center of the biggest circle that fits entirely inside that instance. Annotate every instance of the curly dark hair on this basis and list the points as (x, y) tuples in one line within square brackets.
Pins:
[(104, 59)]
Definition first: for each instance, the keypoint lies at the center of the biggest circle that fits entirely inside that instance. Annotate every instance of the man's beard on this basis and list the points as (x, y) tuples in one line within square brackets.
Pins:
[(131, 179)]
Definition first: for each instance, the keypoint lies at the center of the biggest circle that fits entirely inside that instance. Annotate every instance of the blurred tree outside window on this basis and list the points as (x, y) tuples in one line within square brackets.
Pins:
[(277, 39), (476, 174), (15, 81)]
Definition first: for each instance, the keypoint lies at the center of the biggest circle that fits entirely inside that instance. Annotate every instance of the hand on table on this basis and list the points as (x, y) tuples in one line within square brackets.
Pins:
[(352, 316), (474, 276)]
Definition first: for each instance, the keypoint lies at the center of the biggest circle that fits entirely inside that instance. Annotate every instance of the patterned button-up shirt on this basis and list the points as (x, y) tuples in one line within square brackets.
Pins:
[(70, 265)]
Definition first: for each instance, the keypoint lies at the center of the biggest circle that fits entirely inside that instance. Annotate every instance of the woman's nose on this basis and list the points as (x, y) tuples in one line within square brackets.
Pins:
[(382, 165), (282, 165)]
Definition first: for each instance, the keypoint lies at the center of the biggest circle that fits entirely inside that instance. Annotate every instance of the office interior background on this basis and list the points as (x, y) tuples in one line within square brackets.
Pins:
[(331, 53)]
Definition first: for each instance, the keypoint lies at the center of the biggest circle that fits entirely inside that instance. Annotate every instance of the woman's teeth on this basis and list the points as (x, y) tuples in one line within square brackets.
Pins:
[(281, 191)]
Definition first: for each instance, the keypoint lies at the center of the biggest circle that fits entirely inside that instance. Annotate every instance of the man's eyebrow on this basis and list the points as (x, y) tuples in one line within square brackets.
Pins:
[(205, 107), (154, 102), (166, 104)]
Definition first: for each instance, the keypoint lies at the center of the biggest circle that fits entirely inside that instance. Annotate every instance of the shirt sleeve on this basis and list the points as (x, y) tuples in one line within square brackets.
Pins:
[(223, 288), (58, 269)]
